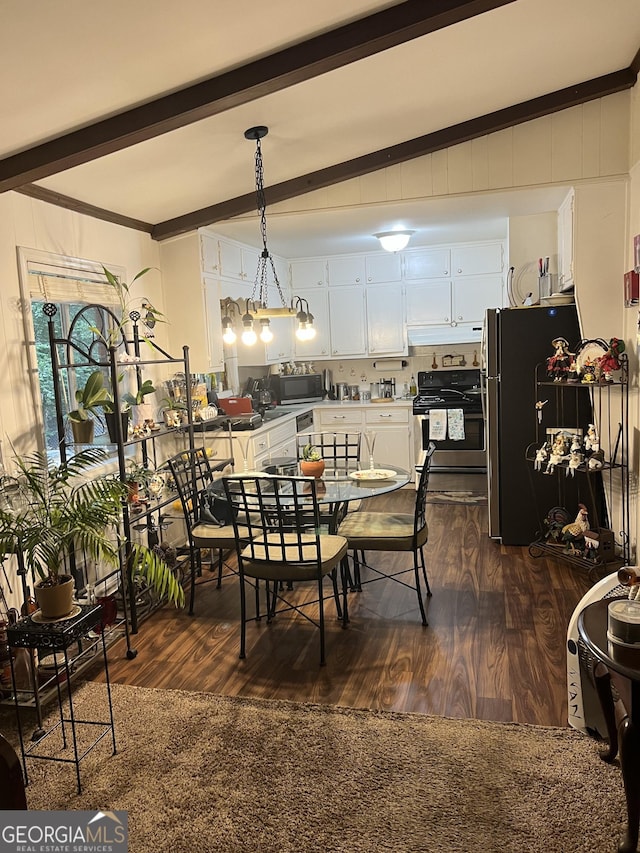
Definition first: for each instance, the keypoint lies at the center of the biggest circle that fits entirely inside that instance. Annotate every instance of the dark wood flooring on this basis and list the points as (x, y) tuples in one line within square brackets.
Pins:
[(494, 648)]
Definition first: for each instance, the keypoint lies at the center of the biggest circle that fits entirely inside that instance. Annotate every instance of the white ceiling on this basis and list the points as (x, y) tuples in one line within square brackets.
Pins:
[(64, 66)]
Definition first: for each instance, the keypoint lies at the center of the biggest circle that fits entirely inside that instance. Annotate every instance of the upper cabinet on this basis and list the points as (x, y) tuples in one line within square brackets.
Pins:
[(237, 261), (386, 266), (565, 242), (320, 345), (477, 259), (308, 273), (386, 322), (346, 270), (427, 263)]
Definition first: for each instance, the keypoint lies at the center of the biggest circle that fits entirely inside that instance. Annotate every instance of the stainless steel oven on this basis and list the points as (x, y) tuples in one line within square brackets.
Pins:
[(449, 393)]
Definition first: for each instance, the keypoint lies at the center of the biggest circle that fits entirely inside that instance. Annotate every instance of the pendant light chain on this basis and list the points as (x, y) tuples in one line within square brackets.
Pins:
[(260, 291)]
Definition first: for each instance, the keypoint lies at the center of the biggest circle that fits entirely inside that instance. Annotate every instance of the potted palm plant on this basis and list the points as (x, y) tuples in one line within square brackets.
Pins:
[(312, 463), (49, 511)]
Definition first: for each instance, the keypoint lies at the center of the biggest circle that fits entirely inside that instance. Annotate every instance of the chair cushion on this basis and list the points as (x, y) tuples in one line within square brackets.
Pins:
[(212, 536), (332, 550), (381, 531)]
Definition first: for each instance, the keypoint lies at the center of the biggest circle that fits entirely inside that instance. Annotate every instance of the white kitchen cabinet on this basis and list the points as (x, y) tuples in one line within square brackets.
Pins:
[(471, 296), (346, 269), (308, 273), (238, 261), (386, 326), (192, 304), (209, 254), (386, 266), (427, 263), (428, 302), (271, 442), (348, 321), (477, 258), (320, 345), (565, 242), (340, 418), (393, 427)]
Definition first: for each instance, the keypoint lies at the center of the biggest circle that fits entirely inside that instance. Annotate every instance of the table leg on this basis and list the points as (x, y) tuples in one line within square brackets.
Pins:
[(630, 764), (602, 680)]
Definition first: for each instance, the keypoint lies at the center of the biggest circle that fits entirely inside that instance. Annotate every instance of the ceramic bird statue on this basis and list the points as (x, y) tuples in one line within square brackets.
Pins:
[(574, 532)]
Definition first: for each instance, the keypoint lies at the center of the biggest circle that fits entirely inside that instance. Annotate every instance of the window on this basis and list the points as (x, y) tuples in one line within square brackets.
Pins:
[(71, 284)]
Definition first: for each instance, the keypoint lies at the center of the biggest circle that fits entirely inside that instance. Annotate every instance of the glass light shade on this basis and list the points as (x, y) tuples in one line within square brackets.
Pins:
[(266, 335), (394, 241), (249, 337)]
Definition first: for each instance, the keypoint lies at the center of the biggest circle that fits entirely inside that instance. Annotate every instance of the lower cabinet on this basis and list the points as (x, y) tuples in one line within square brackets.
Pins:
[(393, 427)]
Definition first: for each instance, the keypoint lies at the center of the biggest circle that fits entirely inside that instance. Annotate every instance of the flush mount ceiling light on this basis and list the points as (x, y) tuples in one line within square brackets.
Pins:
[(394, 241)]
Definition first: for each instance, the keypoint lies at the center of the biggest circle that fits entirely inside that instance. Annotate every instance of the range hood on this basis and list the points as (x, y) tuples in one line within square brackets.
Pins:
[(419, 336)]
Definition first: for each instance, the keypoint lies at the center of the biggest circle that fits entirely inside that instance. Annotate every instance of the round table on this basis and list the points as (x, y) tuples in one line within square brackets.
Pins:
[(592, 629)]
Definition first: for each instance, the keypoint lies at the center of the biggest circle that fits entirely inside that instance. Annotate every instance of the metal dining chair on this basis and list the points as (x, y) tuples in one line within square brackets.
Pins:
[(385, 531), (340, 450), (193, 475), (276, 520)]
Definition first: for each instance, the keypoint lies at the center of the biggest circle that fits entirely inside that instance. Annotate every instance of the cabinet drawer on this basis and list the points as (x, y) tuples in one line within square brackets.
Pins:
[(340, 417), (383, 415), (278, 435)]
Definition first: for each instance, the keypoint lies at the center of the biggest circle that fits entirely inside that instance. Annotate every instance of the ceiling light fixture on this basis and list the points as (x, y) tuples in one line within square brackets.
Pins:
[(394, 241), (305, 330)]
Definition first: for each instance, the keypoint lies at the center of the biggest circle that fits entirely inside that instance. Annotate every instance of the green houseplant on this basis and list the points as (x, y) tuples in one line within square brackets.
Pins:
[(89, 400), (47, 511), (144, 411), (312, 463)]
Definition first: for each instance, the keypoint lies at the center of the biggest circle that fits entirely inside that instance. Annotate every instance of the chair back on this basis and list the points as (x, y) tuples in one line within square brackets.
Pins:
[(281, 515), (419, 520), (193, 474), (340, 450)]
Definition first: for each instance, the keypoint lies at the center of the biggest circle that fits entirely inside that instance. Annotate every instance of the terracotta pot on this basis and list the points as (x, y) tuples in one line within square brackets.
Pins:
[(312, 469), (82, 431), (56, 601)]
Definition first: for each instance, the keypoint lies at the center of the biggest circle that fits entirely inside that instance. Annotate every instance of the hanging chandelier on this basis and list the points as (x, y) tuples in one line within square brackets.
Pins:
[(257, 308)]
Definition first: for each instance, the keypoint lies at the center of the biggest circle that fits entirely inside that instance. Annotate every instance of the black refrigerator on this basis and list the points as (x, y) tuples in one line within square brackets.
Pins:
[(515, 341)]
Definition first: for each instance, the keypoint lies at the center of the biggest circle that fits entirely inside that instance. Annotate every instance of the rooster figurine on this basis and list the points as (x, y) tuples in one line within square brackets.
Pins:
[(573, 533)]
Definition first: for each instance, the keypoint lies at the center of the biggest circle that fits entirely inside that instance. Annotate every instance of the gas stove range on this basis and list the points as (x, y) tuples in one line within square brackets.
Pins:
[(448, 389)]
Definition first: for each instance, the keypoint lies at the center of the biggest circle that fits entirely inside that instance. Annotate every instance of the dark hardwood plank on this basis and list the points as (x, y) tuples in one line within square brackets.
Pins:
[(494, 647)]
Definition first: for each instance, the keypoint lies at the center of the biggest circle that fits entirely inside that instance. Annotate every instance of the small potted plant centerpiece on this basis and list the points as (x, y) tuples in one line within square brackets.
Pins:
[(89, 400), (49, 511), (142, 411), (174, 412), (311, 464)]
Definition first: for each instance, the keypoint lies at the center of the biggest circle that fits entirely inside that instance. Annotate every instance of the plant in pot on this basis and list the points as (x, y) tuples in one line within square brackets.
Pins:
[(138, 477), (89, 399), (173, 411), (110, 416), (49, 511), (143, 411), (312, 463)]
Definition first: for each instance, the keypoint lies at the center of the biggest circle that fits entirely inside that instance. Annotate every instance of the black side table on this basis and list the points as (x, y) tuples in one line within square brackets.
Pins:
[(592, 628), (58, 636)]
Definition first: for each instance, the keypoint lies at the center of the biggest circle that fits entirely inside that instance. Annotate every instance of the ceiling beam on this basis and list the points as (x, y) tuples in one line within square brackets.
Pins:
[(318, 55), (70, 203), (491, 123)]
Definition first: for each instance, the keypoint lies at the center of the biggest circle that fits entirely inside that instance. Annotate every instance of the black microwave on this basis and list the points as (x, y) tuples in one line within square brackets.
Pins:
[(297, 388)]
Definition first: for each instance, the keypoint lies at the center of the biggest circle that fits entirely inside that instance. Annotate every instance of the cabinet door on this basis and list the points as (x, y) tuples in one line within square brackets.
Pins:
[(308, 273), (213, 322), (249, 258), (428, 303), (386, 327), (347, 269), (348, 328), (209, 254), (565, 242), (427, 263), (477, 259), (473, 295), (383, 267), (320, 346), (281, 347), (230, 260)]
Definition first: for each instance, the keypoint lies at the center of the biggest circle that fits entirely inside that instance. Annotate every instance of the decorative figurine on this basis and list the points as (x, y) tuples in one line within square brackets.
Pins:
[(559, 452), (541, 457), (560, 363), (573, 533), (575, 461), (589, 371), (539, 405), (610, 361), (596, 460), (592, 439)]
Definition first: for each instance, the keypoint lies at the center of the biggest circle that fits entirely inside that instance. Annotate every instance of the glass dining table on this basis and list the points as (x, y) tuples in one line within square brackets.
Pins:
[(339, 487)]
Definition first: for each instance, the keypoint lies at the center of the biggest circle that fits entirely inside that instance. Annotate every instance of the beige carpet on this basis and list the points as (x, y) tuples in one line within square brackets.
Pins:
[(199, 772)]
